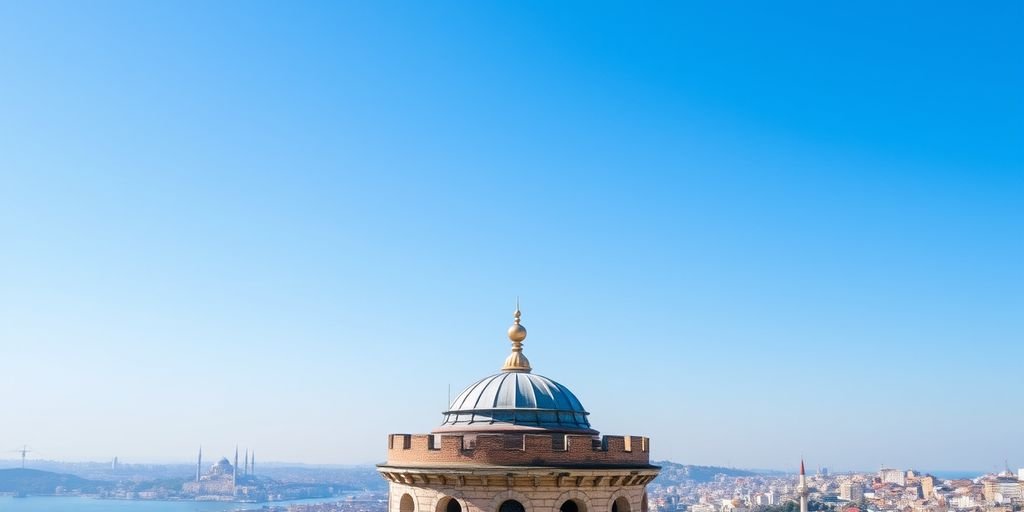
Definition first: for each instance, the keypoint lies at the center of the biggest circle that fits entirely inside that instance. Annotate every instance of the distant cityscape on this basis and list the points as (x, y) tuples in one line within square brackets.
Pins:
[(689, 489), (223, 481), (678, 488)]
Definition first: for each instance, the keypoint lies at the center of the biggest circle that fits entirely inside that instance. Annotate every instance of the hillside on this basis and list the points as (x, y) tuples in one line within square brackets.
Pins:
[(672, 473), (33, 481)]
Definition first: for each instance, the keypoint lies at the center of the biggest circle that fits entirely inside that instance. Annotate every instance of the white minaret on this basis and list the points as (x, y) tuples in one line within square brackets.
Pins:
[(199, 464), (801, 488)]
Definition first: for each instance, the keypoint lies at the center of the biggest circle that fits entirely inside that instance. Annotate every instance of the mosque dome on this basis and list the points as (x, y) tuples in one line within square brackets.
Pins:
[(222, 467), (516, 399)]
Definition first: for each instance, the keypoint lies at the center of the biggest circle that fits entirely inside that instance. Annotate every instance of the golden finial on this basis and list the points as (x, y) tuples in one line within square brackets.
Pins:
[(516, 361)]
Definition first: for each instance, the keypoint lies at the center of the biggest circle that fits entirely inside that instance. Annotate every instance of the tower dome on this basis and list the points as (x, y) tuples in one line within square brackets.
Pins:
[(516, 399)]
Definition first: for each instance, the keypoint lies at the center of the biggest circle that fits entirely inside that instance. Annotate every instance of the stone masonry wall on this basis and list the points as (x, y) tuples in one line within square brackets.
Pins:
[(534, 499), (518, 450)]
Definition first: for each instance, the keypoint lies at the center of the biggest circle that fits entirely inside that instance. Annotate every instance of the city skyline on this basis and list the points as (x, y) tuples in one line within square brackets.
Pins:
[(757, 232), (779, 469), (212, 460)]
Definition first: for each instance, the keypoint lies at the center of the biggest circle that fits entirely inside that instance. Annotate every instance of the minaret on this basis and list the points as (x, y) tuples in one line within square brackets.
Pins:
[(801, 488), (246, 462), (252, 464), (199, 464), (234, 469)]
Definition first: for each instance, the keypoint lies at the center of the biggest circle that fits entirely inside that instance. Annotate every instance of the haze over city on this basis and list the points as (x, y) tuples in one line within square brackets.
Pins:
[(752, 233)]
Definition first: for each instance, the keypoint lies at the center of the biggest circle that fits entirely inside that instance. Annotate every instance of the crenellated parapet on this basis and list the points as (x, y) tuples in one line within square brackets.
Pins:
[(563, 450)]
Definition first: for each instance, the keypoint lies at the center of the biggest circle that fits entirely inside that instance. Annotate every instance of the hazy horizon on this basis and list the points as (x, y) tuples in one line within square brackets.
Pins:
[(12, 463), (751, 233)]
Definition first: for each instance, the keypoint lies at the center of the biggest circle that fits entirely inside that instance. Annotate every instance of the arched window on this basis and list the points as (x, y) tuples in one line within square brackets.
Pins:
[(511, 506), (621, 504), (453, 506), (406, 504), (573, 506)]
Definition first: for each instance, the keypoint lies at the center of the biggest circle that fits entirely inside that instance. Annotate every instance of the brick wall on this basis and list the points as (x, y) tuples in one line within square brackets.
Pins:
[(518, 449), (539, 499)]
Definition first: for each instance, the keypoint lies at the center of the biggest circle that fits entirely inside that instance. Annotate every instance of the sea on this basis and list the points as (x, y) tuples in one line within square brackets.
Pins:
[(957, 475), (79, 504)]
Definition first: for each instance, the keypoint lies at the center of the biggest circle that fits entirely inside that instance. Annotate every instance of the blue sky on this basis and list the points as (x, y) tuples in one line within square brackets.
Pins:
[(749, 232)]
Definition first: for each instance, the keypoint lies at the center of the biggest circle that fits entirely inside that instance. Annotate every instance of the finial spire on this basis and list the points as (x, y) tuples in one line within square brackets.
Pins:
[(516, 361)]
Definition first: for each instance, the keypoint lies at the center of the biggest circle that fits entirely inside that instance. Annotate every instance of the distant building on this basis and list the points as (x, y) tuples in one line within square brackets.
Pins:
[(1001, 490), (851, 491), (219, 481), (225, 481), (927, 486), (913, 490), (892, 476), (733, 505), (963, 501)]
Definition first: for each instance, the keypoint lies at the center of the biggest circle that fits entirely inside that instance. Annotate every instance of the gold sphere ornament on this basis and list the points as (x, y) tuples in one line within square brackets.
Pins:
[(517, 332), (516, 361)]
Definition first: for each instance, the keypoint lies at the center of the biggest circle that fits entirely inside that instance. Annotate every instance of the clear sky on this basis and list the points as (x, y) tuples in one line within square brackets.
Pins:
[(749, 232)]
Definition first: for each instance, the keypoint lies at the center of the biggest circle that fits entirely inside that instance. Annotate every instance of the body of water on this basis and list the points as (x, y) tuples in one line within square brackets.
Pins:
[(956, 475), (75, 504)]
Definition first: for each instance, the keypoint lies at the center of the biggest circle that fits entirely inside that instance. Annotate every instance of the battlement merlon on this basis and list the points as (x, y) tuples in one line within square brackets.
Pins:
[(519, 449)]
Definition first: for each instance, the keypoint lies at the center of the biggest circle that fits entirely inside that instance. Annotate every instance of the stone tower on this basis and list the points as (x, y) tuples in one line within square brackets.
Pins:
[(517, 442)]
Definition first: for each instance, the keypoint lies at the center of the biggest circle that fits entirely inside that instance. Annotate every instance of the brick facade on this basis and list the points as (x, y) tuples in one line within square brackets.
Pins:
[(541, 471), (518, 450), (545, 497)]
